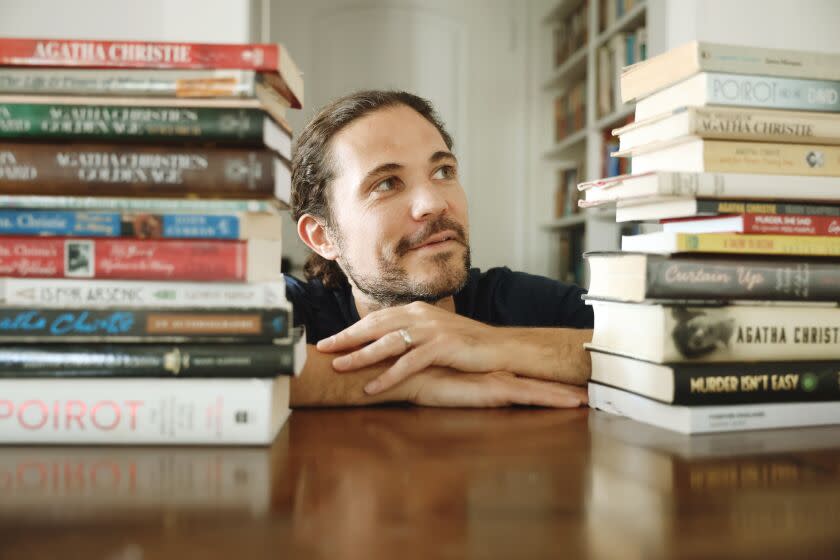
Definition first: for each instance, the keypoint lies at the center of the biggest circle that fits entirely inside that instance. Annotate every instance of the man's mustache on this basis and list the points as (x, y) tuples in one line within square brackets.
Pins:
[(441, 224)]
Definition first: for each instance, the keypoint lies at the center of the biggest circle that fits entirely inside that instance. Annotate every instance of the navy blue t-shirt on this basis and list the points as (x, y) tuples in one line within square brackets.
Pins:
[(497, 297)]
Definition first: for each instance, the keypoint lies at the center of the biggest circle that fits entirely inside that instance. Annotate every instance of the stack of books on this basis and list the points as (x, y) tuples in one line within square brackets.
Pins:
[(728, 318), (140, 242)]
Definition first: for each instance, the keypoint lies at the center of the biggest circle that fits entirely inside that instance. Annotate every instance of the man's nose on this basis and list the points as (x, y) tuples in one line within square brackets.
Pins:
[(427, 199)]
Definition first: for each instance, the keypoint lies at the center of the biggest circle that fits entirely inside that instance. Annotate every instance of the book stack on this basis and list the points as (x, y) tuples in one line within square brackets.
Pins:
[(727, 318), (141, 295)]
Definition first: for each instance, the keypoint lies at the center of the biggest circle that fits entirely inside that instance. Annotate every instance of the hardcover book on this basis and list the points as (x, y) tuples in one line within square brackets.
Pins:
[(733, 243)]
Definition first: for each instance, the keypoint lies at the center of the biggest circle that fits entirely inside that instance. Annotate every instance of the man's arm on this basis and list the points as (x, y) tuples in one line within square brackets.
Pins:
[(553, 354), (321, 385), (421, 336)]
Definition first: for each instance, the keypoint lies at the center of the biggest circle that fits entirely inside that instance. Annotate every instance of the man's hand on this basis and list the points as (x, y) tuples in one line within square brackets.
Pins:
[(437, 338), (482, 390)]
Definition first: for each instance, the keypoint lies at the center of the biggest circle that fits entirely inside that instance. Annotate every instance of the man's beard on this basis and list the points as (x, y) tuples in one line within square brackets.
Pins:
[(392, 286)]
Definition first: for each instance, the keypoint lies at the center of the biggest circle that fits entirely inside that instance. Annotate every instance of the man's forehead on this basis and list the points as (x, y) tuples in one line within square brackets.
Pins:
[(394, 134)]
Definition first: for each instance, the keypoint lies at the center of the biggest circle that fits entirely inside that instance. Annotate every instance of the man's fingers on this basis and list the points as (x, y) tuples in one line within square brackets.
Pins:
[(413, 362), (392, 344), (372, 327)]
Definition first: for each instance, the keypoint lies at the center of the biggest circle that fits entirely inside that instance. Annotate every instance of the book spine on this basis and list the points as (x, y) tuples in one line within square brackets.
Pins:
[(134, 411), (750, 333), (776, 208), (794, 188), (763, 126), (35, 292), (110, 123), (768, 62), (753, 280), (779, 159), (146, 360), (109, 170), (171, 83), (137, 54), (87, 203), (746, 244), (748, 383), (120, 259), (772, 93), (22, 324), (791, 224), (122, 224)]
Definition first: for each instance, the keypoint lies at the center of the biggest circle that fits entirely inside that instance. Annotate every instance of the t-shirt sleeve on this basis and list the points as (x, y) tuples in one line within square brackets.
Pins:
[(529, 300), (302, 304)]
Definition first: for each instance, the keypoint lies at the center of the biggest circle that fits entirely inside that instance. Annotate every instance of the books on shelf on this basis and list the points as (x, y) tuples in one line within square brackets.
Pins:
[(727, 318), (571, 34), (141, 291), (570, 111)]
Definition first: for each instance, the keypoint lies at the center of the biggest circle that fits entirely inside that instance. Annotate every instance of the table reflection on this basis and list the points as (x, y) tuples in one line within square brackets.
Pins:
[(665, 493)]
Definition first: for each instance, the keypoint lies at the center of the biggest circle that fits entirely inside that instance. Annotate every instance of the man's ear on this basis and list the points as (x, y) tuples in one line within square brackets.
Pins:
[(314, 234)]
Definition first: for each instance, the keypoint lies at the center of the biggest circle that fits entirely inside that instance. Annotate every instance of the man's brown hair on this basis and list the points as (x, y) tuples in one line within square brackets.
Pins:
[(313, 168)]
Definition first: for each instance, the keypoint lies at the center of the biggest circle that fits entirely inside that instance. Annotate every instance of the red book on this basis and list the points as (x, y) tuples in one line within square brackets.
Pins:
[(778, 224), (129, 259), (280, 70)]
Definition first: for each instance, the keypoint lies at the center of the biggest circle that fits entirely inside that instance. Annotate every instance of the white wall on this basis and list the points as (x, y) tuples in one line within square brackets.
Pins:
[(469, 57), (784, 24), (212, 21)]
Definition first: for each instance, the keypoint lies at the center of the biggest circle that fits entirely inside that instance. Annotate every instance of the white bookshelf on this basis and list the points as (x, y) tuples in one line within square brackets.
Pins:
[(585, 146)]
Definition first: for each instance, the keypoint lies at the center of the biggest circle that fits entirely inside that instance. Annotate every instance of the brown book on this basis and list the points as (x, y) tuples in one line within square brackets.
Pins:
[(141, 171)]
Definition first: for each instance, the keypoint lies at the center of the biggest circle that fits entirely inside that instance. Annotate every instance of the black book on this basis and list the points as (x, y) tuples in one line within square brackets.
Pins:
[(636, 277), (154, 360), (720, 383)]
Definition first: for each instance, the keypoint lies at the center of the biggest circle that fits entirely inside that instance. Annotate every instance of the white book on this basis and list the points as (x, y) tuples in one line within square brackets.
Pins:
[(674, 332), (643, 78), (710, 419), (731, 123), (738, 90), (642, 188), (143, 411), (61, 292)]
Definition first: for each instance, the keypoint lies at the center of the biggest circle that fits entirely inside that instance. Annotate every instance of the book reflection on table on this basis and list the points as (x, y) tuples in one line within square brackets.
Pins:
[(43, 484), (759, 486)]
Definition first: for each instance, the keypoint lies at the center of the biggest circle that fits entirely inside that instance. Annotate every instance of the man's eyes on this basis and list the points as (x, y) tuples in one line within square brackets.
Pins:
[(384, 185), (444, 172)]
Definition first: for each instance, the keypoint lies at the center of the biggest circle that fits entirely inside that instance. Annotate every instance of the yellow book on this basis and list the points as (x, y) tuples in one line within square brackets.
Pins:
[(673, 242), (720, 156)]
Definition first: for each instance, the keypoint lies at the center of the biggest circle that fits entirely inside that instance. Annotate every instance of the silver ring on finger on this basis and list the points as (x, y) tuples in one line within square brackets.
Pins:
[(406, 336)]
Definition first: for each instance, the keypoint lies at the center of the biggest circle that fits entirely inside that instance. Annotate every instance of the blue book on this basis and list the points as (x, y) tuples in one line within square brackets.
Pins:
[(140, 225)]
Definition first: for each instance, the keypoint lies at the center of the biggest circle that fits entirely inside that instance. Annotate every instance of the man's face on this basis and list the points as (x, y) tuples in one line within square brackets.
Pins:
[(399, 211)]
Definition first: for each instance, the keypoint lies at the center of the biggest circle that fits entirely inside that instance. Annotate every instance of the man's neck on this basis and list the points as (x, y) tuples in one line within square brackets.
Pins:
[(365, 305)]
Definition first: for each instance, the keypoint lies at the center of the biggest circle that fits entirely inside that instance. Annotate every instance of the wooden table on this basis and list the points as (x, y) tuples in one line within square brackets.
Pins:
[(403, 483)]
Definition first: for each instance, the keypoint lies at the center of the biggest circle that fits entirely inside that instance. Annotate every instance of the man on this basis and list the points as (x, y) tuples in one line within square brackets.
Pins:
[(391, 301)]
